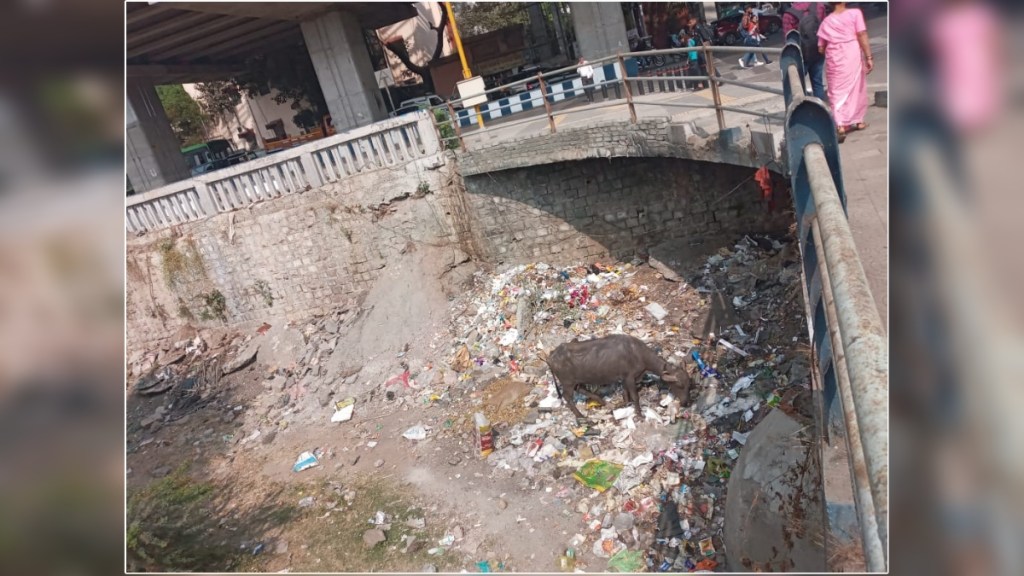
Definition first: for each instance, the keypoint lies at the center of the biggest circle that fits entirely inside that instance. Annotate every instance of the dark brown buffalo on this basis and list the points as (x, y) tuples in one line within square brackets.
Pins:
[(615, 359)]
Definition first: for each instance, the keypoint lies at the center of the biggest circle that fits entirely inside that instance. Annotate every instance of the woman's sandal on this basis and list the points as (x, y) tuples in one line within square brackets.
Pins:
[(841, 135), (861, 126)]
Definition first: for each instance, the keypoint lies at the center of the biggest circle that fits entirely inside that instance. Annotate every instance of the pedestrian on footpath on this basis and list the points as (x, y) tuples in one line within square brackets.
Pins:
[(586, 72), (843, 40), (703, 35), (693, 66), (806, 18), (752, 37)]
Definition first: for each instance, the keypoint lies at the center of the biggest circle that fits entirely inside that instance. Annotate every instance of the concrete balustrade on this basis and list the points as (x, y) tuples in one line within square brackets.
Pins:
[(383, 144)]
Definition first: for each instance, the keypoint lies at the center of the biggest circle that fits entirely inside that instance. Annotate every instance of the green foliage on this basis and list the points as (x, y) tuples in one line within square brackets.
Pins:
[(215, 306), (473, 18), (219, 98), (169, 526), (306, 119), (263, 289), (290, 73), (447, 129), (186, 117)]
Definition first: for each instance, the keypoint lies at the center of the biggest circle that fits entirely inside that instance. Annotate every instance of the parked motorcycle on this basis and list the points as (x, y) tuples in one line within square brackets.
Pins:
[(646, 62)]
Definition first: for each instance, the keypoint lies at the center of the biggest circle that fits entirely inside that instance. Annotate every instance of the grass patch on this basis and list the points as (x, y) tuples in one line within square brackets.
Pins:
[(214, 306), (263, 290), (334, 542), (169, 527), (181, 265)]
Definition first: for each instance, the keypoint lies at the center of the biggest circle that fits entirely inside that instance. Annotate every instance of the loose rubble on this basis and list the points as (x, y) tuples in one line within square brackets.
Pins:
[(647, 490)]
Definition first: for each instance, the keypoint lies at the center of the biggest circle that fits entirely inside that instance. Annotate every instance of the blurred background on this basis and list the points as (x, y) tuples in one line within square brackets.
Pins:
[(957, 270)]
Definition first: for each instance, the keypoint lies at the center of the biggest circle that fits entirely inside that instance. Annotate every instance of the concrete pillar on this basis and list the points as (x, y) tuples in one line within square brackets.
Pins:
[(600, 29), (538, 31), (154, 153), (343, 67)]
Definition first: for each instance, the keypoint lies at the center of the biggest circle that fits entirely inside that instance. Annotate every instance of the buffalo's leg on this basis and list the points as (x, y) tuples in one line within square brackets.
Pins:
[(632, 391), (570, 399)]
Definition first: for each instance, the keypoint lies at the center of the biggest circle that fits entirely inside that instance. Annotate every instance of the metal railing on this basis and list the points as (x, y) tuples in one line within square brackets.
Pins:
[(847, 335), (325, 161), (618, 77)]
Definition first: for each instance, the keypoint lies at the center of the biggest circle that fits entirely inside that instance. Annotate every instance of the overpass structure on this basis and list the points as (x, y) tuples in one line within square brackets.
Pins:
[(181, 42)]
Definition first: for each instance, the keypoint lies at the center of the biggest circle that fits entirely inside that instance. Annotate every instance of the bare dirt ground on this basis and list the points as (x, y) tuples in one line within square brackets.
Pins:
[(219, 449)]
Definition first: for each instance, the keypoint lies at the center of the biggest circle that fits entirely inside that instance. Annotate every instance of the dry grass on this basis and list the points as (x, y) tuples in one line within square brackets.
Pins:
[(845, 556)]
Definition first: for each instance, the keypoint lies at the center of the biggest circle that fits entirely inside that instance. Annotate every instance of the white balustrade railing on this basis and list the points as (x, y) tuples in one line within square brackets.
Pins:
[(392, 142)]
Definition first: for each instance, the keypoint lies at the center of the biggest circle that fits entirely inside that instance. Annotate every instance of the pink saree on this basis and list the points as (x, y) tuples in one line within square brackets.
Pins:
[(845, 70)]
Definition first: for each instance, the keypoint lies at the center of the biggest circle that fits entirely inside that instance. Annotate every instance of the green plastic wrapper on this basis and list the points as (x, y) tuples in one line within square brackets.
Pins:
[(627, 561), (598, 474)]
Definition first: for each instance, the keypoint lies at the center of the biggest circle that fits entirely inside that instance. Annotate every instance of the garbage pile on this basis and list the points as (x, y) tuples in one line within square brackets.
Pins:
[(649, 489)]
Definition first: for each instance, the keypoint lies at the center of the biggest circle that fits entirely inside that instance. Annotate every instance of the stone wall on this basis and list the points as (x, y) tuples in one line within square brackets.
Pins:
[(284, 259), (745, 143), (620, 207), (306, 253)]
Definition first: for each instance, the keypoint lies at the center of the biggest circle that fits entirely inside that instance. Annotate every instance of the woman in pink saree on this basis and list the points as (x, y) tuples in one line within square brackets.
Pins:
[(843, 39)]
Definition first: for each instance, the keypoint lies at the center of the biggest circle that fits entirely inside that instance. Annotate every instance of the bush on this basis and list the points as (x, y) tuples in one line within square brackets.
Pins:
[(446, 129)]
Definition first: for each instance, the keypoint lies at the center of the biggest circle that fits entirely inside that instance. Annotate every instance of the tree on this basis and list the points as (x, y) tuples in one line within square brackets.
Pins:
[(396, 45), (289, 74), (186, 117), (475, 18), (219, 98)]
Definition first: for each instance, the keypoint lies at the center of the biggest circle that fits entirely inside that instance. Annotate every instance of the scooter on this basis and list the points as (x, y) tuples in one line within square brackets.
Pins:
[(646, 62)]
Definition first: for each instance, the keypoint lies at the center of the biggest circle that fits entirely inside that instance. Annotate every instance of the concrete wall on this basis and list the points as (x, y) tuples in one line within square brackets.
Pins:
[(343, 68), (574, 211), (600, 28), (154, 156)]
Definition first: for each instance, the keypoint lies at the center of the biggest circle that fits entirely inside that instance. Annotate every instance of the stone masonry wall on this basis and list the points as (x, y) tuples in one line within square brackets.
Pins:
[(307, 253), (287, 258), (621, 207)]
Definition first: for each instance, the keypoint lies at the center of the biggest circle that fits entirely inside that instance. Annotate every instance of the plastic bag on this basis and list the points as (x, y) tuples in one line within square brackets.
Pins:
[(598, 474), (626, 561), (417, 432)]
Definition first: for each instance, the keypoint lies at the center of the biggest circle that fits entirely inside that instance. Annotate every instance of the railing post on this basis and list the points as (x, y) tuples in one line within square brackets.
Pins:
[(309, 167), (206, 203), (547, 104), (428, 135), (709, 59), (455, 124), (629, 92)]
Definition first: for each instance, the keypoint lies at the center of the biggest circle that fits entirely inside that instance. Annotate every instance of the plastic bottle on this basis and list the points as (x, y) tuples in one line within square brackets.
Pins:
[(484, 435), (567, 561)]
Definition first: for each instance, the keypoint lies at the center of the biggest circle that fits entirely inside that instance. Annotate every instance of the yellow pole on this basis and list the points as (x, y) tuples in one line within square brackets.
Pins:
[(466, 73)]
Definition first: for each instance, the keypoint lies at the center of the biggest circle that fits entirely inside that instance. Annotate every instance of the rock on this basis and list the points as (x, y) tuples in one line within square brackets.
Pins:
[(228, 417), (284, 400), (430, 568), (171, 357), (582, 507), (279, 383), (243, 359), (416, 523), (665, 271), (655, 310), (281, 547), (765, 490), (325, 397), (161, 471), (411, 545), (269, 436), (502, 504), (458, 533), (531, 417), (307, 502), (378, 463), (373, 537), (331, 326), (624, 522)]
